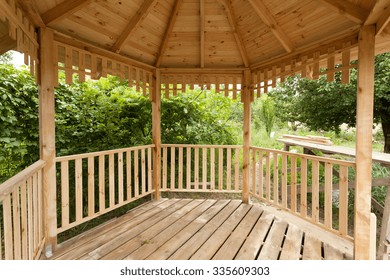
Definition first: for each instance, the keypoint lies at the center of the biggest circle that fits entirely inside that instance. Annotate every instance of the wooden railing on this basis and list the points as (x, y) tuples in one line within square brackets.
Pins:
[(315, 188), (201, 168), (93, 184), (21, 215)]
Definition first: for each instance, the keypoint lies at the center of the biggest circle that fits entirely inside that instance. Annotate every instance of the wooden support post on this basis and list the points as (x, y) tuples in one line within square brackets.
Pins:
[(47, 136), (246, 98), (385, 229), (156, 133), (364, 123)]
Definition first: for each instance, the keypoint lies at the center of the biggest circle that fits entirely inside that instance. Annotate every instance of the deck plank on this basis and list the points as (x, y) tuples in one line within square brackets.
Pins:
[(292, 245), (167, 249), (145, 237), (196, 241), (331, 253), (273, 242), (233, 244), (82, 244), (148, 248), (117, 239), (185, 229), (211, 246), (311, 248), (255, 240)]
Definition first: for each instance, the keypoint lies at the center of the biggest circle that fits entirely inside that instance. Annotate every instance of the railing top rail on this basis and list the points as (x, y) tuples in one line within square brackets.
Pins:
[(201, 146), (8, 186), (107, 152), (311, 157)]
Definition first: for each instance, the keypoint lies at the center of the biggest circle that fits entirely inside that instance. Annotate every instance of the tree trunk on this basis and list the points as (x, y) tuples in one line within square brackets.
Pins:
[(386, 134)]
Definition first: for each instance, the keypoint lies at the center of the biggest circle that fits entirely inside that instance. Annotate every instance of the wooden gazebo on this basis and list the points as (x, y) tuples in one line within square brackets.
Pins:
[(237, 47)]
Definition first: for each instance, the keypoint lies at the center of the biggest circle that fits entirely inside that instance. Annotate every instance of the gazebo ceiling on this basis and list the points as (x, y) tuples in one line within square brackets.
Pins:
[(208, 33)]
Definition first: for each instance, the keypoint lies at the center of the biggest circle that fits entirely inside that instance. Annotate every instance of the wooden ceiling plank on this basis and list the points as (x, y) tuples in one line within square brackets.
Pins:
[(379, 15), (266, 16), (348, 9), (63, 10), (202, 28), (142, 12), (231, 18), (30, 8), (168, 31)]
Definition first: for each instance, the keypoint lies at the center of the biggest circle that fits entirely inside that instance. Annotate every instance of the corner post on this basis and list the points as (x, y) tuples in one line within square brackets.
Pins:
[(364, 123), (246, 99), (156, 133), (47, 136)]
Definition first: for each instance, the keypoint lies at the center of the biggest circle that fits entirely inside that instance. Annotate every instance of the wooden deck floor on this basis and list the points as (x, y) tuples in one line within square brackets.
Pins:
[(189, 229)]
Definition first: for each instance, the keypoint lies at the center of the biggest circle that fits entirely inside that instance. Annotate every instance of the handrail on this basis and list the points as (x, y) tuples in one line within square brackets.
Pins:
[(7, 187), (107, 152), (304, 185), (311, 157), (201, 168), (93, 184), (21, 209)]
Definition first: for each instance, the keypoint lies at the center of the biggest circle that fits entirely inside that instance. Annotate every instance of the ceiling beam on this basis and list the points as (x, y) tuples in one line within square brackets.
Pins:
[(142, 12), (379, 15), (30, 9), (348, 9), (227, 5), (168, 31), (63, 10), (266, 16), (202, 27)]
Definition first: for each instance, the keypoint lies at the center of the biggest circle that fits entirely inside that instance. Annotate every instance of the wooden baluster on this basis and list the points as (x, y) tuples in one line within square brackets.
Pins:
[(91, 186), (303, 206), (315, 191), (328, 195), (294, 184), (343, 201)]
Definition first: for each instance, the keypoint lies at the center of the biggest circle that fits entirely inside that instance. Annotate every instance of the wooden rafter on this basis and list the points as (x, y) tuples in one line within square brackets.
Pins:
[(379, 15), (266, 16), (168, 31), (348, 9), (29, 7), (202, 27), (230, 15), (142, 12), (63, 10)]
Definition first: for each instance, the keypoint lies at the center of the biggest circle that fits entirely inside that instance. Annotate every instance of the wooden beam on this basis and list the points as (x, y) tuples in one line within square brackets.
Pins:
[(6, 44), (168, 31), (32, 12), (266, 16), (348, 9), (142, 12), (227, 5), (156, 133), (63, 10), (47, 136), (100, 51), (202, 27), (246, 98), (379, 15), (364, 123)]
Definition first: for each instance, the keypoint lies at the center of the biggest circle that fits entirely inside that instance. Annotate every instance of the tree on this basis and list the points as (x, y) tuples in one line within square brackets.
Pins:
[(325, 106), (382, 96)]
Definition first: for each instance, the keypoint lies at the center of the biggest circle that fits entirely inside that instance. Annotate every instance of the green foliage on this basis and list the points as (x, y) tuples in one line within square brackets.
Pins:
[(106, 114), (197, 118), (18, 120), (267, 112), (316, 103)]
